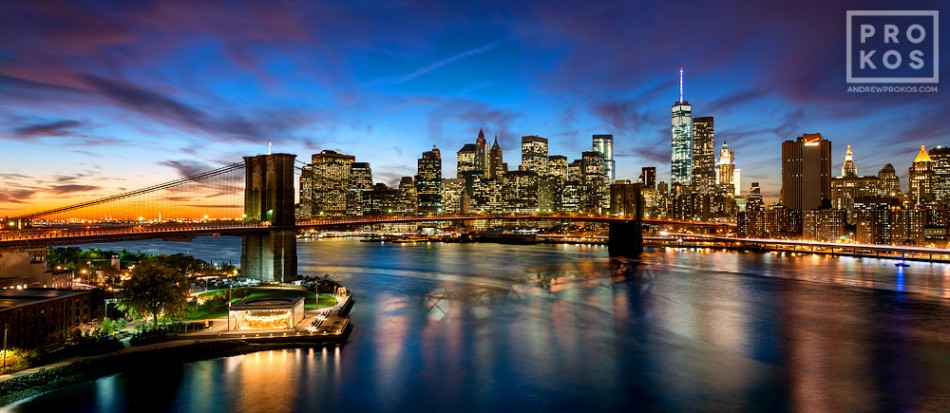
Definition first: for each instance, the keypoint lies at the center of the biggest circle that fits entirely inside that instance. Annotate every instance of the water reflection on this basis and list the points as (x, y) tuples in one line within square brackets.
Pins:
[(481, 327)]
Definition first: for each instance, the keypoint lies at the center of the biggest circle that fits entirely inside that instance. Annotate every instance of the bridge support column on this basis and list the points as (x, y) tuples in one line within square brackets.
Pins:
[(270, 255), (626, 237)]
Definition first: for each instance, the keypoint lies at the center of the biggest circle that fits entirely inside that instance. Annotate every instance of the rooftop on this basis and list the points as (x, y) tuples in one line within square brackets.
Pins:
[(15, 298)]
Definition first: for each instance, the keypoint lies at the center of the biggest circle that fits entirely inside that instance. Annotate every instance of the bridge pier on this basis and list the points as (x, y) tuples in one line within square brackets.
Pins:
[(270, 255), (626, 237)]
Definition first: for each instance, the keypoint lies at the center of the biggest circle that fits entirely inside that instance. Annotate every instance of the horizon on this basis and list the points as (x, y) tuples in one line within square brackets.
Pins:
[(98, 100)]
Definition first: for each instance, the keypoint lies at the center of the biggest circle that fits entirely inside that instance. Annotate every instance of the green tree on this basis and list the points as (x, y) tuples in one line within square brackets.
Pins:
[(155, 287)]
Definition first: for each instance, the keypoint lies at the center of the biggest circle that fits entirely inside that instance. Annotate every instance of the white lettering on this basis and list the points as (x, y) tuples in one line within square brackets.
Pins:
[(866, 59), (887, 62)]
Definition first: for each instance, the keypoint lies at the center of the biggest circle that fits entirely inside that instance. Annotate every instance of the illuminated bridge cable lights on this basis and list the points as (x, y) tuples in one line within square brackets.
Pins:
[(219, 189)]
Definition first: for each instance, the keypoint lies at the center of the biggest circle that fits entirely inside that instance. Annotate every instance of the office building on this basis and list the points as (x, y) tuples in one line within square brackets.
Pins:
[(921, 176), (682, 140), (496, 164), (940, 155), (429, 182), (330, 179), (604, 145), (806, 172), (704, 161), (534, 154)]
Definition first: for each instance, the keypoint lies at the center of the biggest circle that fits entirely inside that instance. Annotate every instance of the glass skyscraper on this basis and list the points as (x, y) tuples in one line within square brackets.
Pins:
[(682, 142), (604, 145)]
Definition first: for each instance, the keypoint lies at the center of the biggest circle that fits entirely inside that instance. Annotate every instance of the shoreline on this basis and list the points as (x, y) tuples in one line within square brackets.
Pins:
[(180, 350)]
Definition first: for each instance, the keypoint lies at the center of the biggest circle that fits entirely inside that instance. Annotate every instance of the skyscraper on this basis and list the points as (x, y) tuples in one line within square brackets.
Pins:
[(481, 154), (604, 145), (921, 176), (806, 172), (704, 161), (890, 184), (534, 154), (361, 176), (595, 196), (682, 142), (848, 168), (496, 165), (648, 176), (330, 175), (466, 160), (727, 165), (940, 155), (557, 167), (429, 182)]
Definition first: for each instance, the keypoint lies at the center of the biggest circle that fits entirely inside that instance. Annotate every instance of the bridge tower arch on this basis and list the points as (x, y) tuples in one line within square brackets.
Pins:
[(269, 189)]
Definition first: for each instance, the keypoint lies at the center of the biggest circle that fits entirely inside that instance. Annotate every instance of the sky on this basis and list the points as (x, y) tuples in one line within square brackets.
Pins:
[(99, 97)]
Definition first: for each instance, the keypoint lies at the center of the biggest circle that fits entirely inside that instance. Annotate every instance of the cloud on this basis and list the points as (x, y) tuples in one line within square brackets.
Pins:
[(16, 196), (741, 97), (187, 168), (57, 128), (72, 188), (622, 116)]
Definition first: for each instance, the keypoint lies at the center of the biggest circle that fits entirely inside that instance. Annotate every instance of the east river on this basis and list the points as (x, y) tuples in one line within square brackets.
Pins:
[(487, 327)]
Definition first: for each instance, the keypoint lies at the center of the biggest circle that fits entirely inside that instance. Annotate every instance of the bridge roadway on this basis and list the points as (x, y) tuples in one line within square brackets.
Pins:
[(41, 237)]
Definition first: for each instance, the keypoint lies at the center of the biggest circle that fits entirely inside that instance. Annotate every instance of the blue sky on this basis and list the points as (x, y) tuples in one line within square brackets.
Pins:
[(99, 96)]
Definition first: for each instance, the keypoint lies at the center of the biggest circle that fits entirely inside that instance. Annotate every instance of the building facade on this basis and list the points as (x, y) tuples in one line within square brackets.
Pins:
[(806, 172)]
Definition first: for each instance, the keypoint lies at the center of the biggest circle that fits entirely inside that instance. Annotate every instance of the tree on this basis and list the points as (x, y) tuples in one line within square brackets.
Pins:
[(155, 287)]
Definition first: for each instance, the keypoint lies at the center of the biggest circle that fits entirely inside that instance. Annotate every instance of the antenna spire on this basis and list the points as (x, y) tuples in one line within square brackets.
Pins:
[(269, 143), (681, 84)]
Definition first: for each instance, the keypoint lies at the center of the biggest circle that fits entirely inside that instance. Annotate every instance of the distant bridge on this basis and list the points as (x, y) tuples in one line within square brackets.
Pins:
[(266, 184), (81, 234)]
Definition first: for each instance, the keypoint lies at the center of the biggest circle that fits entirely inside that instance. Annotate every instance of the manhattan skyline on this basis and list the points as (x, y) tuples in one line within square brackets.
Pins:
[(95, 100)]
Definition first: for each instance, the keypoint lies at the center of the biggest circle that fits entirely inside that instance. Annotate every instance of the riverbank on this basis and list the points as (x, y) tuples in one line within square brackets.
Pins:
[(185, 348)]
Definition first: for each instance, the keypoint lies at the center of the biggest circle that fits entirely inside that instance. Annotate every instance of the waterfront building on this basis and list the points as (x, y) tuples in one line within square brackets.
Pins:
[(823, 225), (37, 317), (806, 172), (521, 192), (453, 196), (382, 200), (921, 177), (704, 161), (872, 218), (752, 222), (604, 145), (429, 182), (682, 140), (534, 154), (488, 196), (549, 194)]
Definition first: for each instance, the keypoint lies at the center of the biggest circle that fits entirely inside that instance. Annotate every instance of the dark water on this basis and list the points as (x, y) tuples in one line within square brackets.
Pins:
[(483, 327)]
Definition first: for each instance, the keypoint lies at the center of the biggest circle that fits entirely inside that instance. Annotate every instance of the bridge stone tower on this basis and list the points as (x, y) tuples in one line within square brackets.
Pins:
[(270, 254), (626, 237), (269, 189)]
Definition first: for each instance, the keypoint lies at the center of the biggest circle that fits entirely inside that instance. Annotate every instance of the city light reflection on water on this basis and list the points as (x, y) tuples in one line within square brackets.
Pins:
[(479, 327)]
